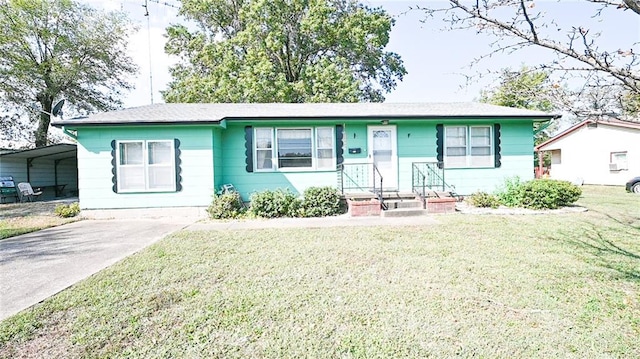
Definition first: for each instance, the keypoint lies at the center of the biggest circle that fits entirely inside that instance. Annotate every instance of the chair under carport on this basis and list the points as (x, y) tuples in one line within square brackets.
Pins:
[(53, 169)]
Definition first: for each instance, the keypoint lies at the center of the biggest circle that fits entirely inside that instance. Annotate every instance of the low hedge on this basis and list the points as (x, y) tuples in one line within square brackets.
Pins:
[(547, 194), (225, 206)]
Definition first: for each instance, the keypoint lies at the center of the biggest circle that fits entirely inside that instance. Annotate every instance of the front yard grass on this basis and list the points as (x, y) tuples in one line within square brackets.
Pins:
[(554, 285)]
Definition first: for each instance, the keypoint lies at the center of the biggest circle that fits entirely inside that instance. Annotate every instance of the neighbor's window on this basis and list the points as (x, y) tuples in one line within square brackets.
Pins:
[(146, 166), (468, 146), (556, 157), (618, 161), (294, 148)]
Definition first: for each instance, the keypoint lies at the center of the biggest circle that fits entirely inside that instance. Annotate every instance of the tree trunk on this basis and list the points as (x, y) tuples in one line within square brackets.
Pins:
[(42, 131)]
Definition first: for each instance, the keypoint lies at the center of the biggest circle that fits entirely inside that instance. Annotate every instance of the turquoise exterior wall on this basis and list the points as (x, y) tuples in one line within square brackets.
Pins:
[(94, 167), (235, 172), (213, 155), (516, 156), (355, 136), (218, 158)]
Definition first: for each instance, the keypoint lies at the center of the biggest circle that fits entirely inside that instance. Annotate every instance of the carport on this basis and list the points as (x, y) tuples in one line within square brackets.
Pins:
[(52, 168)]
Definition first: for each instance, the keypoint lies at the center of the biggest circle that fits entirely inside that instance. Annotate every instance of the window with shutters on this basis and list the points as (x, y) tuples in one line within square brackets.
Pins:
[(287, 149), (146, 166), (468, 146)]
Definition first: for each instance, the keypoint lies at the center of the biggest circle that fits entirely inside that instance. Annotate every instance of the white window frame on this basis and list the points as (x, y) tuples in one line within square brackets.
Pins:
[(256, 149), (315, 148), (146, 167), (468, 161), (620, 165), (332, 147), (311, 150)]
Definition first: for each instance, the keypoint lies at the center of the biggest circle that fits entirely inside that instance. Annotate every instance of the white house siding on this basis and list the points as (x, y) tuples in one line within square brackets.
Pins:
[(584, 154)]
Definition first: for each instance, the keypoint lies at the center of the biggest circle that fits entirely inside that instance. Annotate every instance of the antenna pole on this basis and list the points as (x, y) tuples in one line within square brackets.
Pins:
[(146, 13)]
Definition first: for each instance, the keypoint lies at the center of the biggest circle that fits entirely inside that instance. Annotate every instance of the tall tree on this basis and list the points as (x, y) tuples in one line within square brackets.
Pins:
[(606, 73), (530, 89), (526, 88), (53, 49), (282, 51)]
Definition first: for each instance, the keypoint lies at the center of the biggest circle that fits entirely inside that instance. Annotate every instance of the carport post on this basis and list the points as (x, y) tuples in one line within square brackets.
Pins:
[(55, 174), (29, 160)]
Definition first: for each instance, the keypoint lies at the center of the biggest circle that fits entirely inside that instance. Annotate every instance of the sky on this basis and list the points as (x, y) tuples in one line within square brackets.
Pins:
[(438, 61)]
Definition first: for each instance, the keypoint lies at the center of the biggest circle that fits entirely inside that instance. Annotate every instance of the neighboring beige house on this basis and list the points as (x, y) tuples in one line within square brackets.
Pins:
[(605, 152)]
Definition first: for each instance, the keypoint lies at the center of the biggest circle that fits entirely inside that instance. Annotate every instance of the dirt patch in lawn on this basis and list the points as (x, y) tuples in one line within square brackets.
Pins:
[(20, 218), (41, 208)]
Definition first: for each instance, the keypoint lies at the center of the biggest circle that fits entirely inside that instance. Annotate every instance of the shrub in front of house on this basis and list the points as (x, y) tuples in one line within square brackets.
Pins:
[(509, 193), (275, 203), (321, 202), (226, 206), (67, 210), (548, 194), (538, 193), (484, 200)]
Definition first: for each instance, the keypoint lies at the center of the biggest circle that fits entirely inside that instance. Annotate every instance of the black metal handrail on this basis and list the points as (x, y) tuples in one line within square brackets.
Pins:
[(361, 177), (429, 176), (418, 184), (354, 176), (380, 194)]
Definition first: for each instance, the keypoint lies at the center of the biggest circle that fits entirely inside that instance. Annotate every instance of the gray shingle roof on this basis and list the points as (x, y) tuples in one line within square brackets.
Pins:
[(215, 112)]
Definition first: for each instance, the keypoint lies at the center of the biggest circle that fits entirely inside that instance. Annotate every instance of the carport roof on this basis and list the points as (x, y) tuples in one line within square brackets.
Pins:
[(53, 152)]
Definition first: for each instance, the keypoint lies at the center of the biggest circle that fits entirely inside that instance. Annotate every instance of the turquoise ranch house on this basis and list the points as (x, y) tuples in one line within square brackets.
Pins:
[(179, 155)]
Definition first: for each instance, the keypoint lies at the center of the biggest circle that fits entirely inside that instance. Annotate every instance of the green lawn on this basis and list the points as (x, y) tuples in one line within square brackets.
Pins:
[(553, 285)]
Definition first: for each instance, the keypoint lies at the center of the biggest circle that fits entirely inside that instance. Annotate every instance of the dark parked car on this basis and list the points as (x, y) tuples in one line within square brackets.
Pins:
[(634, 185)]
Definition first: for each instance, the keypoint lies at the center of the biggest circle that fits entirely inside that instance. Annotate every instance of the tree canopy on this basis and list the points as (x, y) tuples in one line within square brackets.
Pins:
[(609, 76), (54, 49), (524, 88), (282, 51)]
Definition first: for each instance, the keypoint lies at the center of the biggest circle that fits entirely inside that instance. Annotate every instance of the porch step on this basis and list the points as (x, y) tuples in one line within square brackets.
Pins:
[(395, 195), (393, 204), (386, 195), (405, 212)]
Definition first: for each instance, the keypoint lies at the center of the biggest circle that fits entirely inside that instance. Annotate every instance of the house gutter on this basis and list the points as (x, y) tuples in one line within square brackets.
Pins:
[(67, 132)]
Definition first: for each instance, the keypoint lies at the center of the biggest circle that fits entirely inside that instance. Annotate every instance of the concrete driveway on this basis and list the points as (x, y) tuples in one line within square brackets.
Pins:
[(38, 265)]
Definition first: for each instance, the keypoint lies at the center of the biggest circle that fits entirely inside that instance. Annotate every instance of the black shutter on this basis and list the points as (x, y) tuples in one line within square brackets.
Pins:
[(114, 173), (339, 144), (496, 145), (248, 147), (440, 145), (176, 144)]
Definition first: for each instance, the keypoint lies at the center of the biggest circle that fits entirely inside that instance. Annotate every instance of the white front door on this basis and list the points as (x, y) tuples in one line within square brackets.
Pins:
[(383, 152)]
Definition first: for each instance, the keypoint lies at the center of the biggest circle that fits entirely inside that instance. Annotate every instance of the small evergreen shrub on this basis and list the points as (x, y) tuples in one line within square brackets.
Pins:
[(275, 203), (67, 210), (321, 202), (225, 206), (509, 194), (484, 200), (548, 194)]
